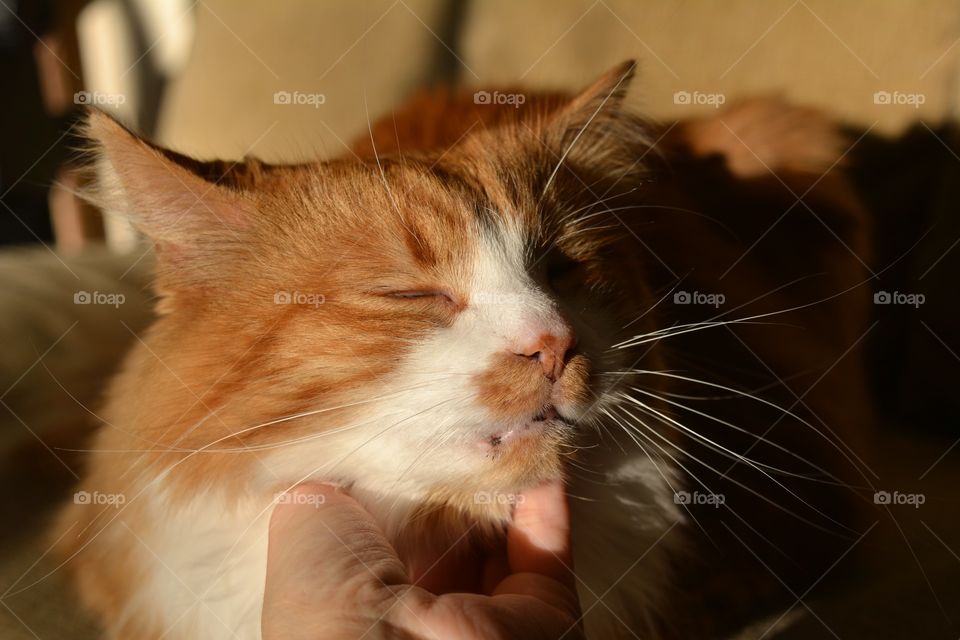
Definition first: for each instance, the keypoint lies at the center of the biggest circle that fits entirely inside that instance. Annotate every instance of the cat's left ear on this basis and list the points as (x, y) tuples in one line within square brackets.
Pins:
[(602, 99), (593, 125)]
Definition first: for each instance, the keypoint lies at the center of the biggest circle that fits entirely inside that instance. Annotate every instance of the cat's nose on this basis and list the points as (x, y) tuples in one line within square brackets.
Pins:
[(550, 349)]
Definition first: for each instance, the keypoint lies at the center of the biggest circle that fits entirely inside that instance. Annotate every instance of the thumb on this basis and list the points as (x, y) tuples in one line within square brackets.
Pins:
[(539, 540), (323, 546)]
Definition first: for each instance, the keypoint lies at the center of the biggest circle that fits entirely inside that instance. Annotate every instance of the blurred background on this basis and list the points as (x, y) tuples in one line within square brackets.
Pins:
[(300, 79)]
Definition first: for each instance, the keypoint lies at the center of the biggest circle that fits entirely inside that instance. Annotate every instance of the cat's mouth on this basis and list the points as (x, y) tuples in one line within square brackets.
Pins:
[(546, 418), (547, 413)]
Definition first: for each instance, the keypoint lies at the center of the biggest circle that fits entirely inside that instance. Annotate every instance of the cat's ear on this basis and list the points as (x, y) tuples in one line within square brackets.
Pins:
[(602, 99), (594, 126), (196, 214), (181, 204)]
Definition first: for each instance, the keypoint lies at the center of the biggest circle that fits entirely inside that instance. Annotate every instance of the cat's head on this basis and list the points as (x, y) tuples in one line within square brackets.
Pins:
[(437, 325)]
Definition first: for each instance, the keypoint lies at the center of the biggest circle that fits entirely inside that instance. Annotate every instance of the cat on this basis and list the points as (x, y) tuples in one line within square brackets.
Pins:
[(478, 298)]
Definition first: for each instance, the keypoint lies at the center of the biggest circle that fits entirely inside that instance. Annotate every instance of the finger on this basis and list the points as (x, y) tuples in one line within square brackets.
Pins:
[(496, 568), (561, 598), (453, 569), (468, 616), (539, 538), (322, 539)]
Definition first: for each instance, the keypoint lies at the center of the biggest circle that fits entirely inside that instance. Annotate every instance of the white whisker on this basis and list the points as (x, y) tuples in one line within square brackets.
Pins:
[(667, 420), (763, 401), (767, 441), (743, 486)]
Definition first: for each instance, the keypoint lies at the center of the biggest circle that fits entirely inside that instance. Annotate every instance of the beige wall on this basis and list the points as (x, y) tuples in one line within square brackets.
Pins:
[(829, 53), (352, 53)]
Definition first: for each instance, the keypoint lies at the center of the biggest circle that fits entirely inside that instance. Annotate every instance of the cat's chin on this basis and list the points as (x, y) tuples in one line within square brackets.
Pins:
[(524, 454), (546, 427), (536, 428)]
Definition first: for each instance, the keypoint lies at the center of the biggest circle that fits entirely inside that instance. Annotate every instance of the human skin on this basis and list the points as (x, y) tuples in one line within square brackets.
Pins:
[(332, 574)]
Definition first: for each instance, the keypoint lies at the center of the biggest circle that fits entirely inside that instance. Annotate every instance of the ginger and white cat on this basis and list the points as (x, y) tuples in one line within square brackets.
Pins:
[(477, 300)]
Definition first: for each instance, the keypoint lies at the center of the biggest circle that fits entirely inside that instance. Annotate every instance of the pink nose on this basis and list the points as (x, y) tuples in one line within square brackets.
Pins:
[(550, 350)]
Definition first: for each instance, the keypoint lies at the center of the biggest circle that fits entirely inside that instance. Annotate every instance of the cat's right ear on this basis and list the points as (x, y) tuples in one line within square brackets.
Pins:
[(178, 202)]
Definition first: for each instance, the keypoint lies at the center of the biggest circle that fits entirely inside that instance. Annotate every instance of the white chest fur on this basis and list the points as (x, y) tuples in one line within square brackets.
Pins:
[(206, 564)]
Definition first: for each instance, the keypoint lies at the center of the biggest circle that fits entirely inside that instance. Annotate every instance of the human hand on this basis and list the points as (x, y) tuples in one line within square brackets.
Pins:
[(331, 573)]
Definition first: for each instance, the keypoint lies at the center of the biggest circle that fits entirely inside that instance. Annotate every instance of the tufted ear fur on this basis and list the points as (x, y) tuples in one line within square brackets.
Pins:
[(594, 137), (594, 128), (171, 198), (601, 100), (195, 213)]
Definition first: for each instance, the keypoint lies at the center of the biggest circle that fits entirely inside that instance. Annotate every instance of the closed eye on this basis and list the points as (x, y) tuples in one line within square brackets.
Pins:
[(422, 294), (563, 272)]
